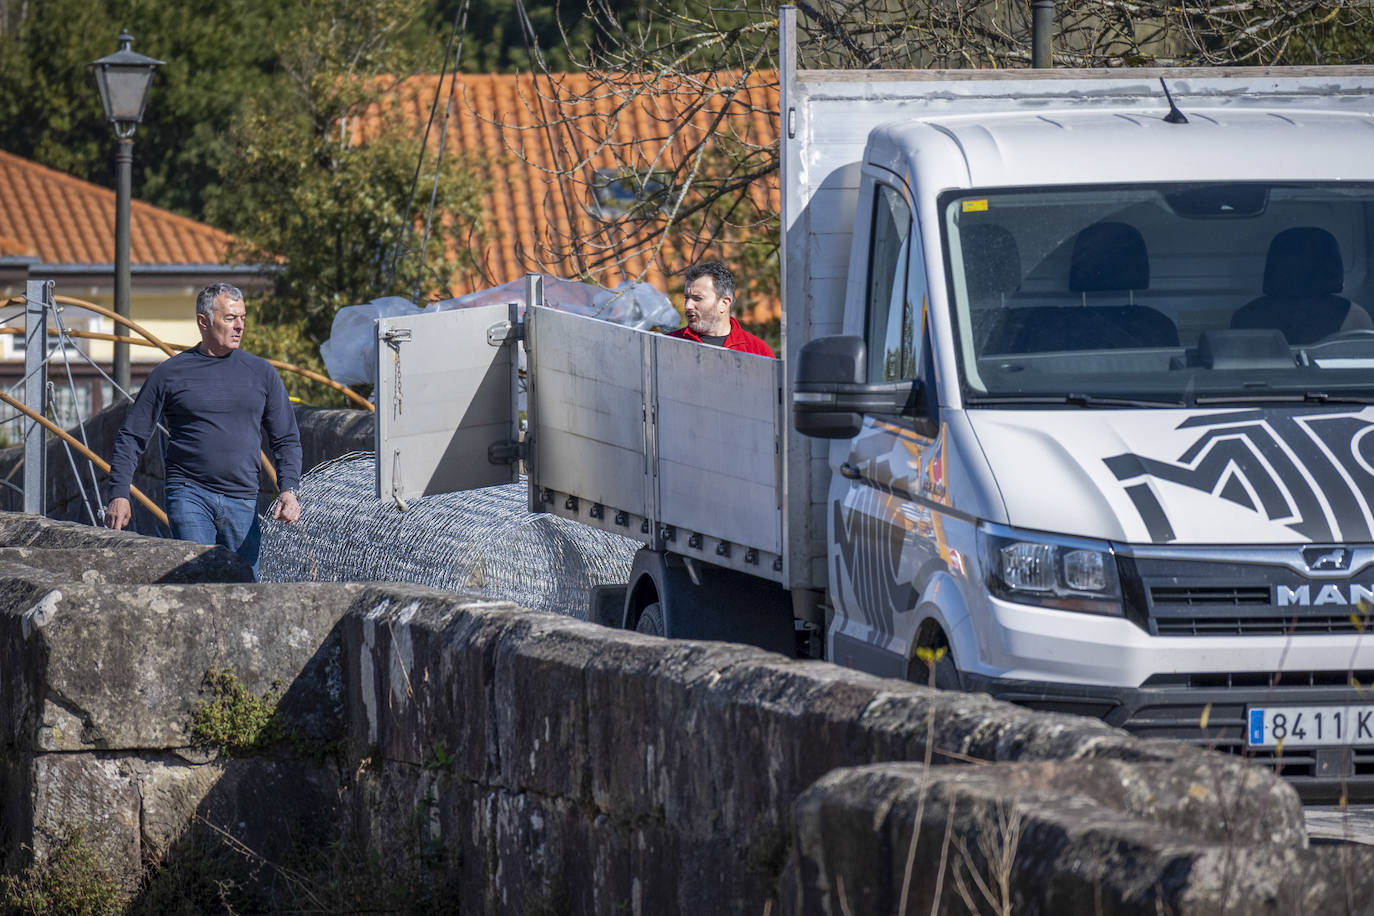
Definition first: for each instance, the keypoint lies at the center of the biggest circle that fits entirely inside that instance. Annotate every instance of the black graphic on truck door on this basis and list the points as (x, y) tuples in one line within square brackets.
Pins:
[(1311, 470), (875, 521)]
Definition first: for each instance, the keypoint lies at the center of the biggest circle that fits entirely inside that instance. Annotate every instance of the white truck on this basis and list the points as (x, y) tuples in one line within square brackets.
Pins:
[(1074, 387)]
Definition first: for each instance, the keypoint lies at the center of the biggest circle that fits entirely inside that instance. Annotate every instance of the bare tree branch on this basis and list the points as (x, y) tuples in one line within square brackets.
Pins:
[(666, 109)]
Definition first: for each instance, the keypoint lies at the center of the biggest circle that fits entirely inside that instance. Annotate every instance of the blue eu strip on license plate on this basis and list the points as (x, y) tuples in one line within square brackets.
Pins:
[(1309, 726)]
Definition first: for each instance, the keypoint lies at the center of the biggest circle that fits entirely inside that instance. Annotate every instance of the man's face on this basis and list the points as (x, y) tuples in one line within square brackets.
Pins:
[(708, 315), (222, 331)]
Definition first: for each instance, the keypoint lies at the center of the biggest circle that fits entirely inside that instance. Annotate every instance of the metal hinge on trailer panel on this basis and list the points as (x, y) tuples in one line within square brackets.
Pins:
[(396, 479), (777, 462), (505, 451), (504, 332), (394, 337)]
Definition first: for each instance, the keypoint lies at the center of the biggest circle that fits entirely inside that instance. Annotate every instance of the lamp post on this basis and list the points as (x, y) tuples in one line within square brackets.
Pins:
[(1042, 32), (123, 79)]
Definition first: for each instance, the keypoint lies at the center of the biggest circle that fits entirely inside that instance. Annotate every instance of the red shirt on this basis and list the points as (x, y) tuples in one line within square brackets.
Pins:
[(738, 339)]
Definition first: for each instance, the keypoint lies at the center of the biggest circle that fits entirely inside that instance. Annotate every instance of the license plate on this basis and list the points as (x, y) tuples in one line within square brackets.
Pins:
[(1310, 726)]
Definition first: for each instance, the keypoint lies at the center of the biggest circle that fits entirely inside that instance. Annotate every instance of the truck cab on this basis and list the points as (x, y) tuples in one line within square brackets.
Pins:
[(1098, 418)]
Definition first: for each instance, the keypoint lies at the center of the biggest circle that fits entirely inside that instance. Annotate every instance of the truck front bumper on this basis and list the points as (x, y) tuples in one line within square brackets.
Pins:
[(1173, 706)]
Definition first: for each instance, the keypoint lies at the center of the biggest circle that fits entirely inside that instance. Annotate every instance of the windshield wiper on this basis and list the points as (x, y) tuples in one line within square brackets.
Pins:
[(1290, 397), (1079, 400)]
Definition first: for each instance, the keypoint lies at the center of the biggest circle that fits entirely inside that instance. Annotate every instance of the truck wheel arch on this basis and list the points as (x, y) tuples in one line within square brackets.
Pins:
[(643, 591), (940, 613), (931, 637), (649, 575), (716, 603)]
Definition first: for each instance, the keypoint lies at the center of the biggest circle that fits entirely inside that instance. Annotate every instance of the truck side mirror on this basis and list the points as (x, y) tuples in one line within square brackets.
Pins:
[(830, 395)]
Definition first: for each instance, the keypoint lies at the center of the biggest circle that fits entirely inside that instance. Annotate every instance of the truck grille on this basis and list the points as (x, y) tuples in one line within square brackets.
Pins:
[(1257, 626), (1210, 596), (1183, 592)]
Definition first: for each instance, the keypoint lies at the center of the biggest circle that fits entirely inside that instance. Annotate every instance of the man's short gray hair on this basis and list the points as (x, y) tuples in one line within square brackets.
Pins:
[(721, 278), (205, 301)]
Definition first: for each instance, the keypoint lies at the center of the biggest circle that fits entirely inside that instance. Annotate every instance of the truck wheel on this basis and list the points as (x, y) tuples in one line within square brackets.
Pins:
[(651, 621), (946, 675)]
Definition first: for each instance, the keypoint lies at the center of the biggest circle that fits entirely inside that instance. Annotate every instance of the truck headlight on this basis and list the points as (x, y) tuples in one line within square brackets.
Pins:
[(1072, 574)]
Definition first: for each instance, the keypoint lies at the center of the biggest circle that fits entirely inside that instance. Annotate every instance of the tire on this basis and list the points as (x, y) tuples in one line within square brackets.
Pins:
[(946, 674), (651, 621)]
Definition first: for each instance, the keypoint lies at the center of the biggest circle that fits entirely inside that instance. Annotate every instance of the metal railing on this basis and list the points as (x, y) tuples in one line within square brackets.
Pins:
[(41, 410)]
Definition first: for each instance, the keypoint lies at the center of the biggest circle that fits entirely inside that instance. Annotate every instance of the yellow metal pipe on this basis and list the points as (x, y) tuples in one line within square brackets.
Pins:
[(99, 462), (290, 367)]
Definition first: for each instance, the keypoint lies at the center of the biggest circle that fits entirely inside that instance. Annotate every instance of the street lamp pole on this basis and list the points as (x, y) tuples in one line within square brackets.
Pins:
[(1042, 33), (123, 79), (124, 171)]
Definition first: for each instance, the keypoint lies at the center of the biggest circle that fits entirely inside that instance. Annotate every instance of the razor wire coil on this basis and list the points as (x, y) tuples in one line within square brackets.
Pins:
[(484, 542)]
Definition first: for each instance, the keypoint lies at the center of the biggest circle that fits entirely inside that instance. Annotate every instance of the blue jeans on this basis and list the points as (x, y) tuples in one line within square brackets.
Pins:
[(203, 516)]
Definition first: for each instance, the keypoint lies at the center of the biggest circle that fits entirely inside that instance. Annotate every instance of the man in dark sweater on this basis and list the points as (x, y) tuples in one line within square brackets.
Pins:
[(215, 399), (709, 293)]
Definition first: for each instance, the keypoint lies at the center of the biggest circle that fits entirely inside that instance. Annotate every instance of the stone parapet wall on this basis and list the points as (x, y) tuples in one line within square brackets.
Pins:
[(544, 764), (1088, 837), (103, 655)]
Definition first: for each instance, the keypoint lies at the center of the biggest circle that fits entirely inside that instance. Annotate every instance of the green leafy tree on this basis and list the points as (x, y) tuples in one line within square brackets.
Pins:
[(219, 55), (214, 56), (340, 220), (501, 37)]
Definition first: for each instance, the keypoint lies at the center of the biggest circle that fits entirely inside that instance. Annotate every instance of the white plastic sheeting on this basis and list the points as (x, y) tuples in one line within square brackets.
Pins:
[(350, 353)]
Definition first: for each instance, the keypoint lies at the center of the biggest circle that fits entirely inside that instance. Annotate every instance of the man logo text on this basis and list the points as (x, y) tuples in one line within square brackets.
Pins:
[(1301, 596)]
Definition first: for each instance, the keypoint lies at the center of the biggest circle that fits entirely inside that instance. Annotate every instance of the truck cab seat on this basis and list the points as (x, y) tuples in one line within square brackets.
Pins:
[(1303, 272), (1109, 258), (1050, 328), (992, 271)]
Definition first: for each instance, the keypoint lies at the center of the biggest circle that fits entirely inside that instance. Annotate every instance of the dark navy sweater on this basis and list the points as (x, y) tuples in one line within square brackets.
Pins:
[(215, 409)]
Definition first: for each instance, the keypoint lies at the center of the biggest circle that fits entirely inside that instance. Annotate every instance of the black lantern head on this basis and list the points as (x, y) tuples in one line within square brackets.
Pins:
[(123, 79)]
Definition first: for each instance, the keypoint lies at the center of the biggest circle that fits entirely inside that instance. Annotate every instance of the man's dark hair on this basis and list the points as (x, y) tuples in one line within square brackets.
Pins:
[(721, 278)]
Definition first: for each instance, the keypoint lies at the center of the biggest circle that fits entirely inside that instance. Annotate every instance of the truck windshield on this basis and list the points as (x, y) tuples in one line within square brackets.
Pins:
[(1163, 294)]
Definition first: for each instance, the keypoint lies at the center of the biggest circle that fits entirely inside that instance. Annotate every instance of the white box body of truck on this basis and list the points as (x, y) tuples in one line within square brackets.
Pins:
[(1094, 372)]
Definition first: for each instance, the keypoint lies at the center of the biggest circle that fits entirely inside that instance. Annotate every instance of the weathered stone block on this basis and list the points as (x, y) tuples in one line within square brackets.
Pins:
[(278, 809), (172, 791), (141, 560), (251, 827), (421, 669), (521, 852), (1052, 838), (128, 662), (16, 810), (522, 761), (20, 530), (90, 791)]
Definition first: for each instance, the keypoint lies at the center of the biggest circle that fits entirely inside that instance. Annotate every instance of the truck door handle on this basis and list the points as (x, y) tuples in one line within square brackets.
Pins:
[(849, 472)]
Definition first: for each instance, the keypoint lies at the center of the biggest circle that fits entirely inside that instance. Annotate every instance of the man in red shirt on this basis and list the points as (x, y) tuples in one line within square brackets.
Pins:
[(709, 295)]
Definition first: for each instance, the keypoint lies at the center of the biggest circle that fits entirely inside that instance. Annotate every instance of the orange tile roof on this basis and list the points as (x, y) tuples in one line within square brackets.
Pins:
[(498, 121), (10, 248), (64, 220)]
